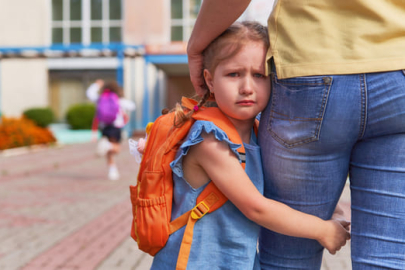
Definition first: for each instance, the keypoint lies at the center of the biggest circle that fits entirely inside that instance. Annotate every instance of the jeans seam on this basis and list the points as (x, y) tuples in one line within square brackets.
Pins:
[(313, 82), (363, 89), (325, 101), (298, 83)]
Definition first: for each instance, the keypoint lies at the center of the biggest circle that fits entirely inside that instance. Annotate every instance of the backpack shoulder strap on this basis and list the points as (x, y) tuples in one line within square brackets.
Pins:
[(211, 198)]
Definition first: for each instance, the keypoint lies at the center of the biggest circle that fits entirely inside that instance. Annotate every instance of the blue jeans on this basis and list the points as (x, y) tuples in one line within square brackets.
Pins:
[(313, 133)]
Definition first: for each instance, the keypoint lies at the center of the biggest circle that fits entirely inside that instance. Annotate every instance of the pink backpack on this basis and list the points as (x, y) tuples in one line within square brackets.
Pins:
[(107, 107)]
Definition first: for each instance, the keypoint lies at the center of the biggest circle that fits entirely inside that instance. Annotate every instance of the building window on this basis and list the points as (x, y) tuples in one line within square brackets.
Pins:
[(86, 21), (183, 16)]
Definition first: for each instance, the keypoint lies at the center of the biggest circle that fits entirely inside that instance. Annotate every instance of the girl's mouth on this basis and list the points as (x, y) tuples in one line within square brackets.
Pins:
[(245, 102)]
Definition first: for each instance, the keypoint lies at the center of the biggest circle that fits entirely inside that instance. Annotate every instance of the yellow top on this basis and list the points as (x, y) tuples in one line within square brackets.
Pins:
[(317, 37)]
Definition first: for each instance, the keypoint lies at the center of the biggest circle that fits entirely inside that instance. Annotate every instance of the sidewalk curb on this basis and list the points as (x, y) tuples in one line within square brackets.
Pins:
[(28, 149)]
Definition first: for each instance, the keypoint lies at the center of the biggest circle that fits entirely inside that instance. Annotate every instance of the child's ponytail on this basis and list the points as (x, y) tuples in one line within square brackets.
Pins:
[(180, 117)]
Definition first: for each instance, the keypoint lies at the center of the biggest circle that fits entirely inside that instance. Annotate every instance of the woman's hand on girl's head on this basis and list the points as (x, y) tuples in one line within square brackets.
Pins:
[(195, 64), (213, 18), (335, 235)]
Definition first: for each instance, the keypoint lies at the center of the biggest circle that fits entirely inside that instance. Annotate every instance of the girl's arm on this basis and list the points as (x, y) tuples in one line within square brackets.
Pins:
[(93, 90), (222, 167), (215, 17), (127, 104)]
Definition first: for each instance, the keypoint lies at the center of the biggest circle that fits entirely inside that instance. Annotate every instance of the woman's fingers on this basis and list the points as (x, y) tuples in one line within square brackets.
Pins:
[(195, 65)]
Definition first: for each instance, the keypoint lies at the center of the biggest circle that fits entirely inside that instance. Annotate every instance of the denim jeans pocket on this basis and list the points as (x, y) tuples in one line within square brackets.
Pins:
[(297, 109)]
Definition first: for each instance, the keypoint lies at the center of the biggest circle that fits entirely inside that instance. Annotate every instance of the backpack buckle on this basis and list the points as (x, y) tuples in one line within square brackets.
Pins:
[(199, 210)]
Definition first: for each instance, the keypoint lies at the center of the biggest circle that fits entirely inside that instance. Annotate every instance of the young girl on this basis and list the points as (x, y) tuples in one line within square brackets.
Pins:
[(227, 238), (109, 144)]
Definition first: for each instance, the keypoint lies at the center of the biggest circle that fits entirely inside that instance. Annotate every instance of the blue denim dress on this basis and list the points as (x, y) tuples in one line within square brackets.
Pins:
[(225, 238)]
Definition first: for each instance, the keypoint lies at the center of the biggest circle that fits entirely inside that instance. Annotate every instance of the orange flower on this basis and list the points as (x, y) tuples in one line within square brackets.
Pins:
[(17, 132)]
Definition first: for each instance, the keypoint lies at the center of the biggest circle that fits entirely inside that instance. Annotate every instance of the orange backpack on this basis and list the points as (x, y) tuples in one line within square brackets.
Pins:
[(152, 197)]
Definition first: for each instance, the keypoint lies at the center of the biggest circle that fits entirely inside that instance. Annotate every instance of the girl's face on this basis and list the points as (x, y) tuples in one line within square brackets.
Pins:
[(239, 83)]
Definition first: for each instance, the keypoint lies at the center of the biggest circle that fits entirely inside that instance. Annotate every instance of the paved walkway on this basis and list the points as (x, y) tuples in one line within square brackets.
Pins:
[(58, 211)]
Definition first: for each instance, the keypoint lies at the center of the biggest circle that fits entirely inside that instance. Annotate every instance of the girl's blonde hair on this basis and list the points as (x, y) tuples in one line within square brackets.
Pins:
[(225, 46), (230, 42)]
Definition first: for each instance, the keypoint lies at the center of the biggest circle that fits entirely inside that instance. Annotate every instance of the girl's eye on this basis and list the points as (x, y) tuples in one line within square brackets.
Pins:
[(233, 74), (258, 75)]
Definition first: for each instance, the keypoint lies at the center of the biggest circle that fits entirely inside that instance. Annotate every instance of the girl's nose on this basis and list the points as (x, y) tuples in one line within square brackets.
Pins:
[(246, 85)]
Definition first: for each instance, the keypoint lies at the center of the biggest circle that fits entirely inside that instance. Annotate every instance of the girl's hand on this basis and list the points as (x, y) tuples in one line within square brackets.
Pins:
[(335, 235), (339, 215), (99, 82)]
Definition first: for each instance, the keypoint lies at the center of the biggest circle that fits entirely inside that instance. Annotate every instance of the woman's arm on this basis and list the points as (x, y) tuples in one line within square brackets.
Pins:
[(224, 169), (215, 17)]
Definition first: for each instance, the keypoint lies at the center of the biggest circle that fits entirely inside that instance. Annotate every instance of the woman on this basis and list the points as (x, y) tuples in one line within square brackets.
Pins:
[(337, 107)]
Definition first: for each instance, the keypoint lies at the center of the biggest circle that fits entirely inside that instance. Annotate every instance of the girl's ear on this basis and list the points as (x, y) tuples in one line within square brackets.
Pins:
[(209, 79)]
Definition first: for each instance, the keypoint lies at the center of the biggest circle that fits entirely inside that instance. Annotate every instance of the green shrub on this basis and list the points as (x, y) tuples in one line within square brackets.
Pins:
[(42, 117), (80, 116)]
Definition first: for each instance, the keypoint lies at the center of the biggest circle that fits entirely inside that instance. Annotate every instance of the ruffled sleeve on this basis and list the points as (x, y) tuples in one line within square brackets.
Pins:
[(194, 137)]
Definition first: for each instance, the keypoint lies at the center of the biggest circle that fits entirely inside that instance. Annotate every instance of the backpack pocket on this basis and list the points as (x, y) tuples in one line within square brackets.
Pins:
[(150, 227)]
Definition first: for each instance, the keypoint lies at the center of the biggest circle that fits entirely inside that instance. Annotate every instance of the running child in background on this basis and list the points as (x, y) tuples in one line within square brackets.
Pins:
[(234, 72), (111, 114)]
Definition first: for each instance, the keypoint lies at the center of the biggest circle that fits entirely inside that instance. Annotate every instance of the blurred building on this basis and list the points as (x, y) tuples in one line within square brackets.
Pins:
[(52, 50)]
